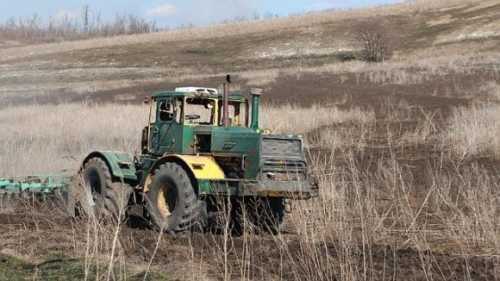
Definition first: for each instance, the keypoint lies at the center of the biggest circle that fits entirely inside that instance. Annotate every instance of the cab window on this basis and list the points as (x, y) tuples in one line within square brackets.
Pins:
[(168, 110), (237, 113), (199, 111)]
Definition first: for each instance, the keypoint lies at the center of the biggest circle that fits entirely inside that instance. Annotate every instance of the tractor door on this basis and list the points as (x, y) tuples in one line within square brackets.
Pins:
[(165, 136)]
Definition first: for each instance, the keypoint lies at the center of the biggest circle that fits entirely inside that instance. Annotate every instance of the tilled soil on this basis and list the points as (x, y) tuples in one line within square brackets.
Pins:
[(36, 235)]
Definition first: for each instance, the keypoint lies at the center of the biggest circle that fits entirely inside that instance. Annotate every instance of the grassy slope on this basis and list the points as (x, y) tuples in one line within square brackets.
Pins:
[(280, 55)]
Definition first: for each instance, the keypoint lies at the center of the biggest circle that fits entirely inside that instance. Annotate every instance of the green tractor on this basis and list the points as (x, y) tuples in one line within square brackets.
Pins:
[(199, 148)]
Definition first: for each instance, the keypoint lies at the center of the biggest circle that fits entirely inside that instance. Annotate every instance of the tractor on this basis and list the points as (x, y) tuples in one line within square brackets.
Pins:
[(199, 148)]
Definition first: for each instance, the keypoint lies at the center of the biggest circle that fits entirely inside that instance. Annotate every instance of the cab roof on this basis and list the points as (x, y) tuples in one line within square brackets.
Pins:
[(234, 96)]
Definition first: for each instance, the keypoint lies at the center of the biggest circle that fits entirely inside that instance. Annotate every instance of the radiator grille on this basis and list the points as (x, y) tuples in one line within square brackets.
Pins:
[(284, 170), (283, 159)]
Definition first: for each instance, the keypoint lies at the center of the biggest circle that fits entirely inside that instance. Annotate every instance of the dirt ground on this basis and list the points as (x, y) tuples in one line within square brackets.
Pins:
[(38, 240)]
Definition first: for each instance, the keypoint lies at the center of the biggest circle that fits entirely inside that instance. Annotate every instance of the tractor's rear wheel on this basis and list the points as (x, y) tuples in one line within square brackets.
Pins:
[(171, 201), (109, 199)]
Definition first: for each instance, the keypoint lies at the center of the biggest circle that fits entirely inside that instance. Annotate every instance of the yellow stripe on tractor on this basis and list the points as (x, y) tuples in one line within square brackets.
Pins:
[(203, 167)]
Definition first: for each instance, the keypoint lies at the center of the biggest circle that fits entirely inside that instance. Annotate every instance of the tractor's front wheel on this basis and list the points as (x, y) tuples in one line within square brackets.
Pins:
[(171, 200), (104, 198)]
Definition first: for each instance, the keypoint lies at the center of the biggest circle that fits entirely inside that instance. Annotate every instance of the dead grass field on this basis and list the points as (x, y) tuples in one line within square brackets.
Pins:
[(399, 197), (406, 151)]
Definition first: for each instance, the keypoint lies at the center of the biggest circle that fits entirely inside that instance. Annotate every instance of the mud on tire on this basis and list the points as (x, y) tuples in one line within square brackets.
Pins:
[(171, 202), (109, 199)]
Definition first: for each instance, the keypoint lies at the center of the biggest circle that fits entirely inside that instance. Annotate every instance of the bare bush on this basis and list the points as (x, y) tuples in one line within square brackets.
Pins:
[(375, 40)]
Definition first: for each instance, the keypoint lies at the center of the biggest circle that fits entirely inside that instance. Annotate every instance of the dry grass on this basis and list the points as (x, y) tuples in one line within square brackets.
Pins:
[(364, 205), (360, 210), (410, 69), (215, 31), (44, 83), (51, 138), (354, 136), (291, 118), (475, 131), (491, 90)]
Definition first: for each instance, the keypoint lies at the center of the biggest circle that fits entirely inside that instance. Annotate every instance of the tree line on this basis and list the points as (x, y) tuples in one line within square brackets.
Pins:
[(63, 27)]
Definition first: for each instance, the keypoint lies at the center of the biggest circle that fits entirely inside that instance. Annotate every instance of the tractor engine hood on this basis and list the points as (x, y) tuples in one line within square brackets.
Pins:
[(235, 140), (282, 147), (260, 155)]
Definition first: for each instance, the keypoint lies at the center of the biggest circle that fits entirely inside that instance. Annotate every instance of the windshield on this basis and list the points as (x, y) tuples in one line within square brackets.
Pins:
[(200, 111)]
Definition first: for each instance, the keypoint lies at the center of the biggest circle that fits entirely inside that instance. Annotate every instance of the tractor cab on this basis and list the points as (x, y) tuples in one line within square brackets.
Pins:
[(186, 120)]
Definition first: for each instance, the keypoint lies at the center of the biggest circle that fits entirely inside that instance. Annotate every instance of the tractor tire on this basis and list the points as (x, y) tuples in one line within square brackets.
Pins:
[(266, 214), (171, 202), (108, 200)]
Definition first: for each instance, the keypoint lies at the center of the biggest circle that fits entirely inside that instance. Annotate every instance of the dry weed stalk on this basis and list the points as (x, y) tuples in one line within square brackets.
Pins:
[(474, 131)]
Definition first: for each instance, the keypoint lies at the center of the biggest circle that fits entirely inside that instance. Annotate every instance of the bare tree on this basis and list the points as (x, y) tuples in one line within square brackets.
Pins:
[(86, 18)]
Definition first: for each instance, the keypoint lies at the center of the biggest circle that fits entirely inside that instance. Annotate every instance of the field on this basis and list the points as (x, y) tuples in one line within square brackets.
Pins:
[(406, 151)]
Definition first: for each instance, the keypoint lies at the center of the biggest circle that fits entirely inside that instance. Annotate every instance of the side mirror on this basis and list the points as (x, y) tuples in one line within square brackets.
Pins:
[(146, 101)]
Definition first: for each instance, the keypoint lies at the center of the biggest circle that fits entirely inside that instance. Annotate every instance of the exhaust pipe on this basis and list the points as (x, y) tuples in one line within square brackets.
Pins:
[(256, 94), (225, 109)]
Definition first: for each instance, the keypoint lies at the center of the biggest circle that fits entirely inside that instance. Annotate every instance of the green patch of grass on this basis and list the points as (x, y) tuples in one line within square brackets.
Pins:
[(63, 269), (13, 269)]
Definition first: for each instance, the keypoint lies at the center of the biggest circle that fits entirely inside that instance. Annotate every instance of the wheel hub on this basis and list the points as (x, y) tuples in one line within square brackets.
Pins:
[(166, 200)]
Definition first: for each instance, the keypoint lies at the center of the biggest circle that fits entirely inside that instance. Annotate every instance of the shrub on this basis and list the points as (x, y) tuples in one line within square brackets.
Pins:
[(375, 41)]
